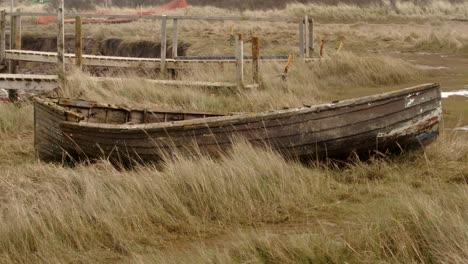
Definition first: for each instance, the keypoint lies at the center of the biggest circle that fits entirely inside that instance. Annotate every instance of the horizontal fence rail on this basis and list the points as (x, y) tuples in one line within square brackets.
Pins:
[(206, 18), (130, 62)]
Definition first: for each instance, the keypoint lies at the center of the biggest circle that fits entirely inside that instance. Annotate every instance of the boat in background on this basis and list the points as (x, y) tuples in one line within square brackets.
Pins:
[(4, 97), (386, 123)]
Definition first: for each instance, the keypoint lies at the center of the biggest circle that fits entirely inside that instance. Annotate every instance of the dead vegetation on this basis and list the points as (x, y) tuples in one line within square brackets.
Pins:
[(249, 206)]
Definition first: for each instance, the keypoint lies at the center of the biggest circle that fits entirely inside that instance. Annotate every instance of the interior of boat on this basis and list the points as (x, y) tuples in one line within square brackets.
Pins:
[(109, 114)]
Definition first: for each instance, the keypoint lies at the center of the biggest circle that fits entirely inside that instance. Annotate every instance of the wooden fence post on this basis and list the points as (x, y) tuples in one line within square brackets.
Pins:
[(174, 39), (78, 43), (301, 39), (322, 46), (306, 36), (240, 61), (255, 60), (61, 40), (2, 36), (163, 46), (15, 33), (311, 35)]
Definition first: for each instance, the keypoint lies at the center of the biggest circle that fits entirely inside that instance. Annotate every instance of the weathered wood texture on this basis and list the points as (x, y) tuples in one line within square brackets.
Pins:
[(305, 43), (61, 39), (301, 40), (30, 82), (256, 60), (311, 36), (385, 122), (240, 60), (125, 62), (2, 36), (15, 38), (78, 43), (175, 35), (200, 18), (163, 46), (306, 36), (27, 82)]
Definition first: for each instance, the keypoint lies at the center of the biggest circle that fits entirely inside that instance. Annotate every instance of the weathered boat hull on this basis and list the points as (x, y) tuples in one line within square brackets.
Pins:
[(386, 123)]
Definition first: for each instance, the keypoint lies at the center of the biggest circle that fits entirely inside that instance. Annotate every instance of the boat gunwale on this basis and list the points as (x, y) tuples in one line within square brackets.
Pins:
[(94, 104), (243, 116)]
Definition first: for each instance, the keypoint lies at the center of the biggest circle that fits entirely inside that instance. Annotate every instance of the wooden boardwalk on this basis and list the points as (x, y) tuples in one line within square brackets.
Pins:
[(31, 82), (28, 82), (15, 54), (128, 62)]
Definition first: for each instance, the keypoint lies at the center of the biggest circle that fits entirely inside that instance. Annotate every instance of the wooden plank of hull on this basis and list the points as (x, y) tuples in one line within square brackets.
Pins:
[(299, 132), (363, 144), (299, 144), (254, 121), (313, 127), (309, 138), (280, 127), (47, 133), (48, 137)]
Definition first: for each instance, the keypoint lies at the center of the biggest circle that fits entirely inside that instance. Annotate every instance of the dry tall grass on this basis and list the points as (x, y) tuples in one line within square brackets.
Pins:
[(402, 210), (250, 205), (333, 77)]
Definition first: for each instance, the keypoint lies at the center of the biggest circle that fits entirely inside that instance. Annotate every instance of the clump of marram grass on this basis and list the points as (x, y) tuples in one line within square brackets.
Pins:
[(437, 42), (409, 226), (347, 69), (306, 83), (266, 248), (379, 12), (15, 119), (416, 228), (88, 207), (57, 214)]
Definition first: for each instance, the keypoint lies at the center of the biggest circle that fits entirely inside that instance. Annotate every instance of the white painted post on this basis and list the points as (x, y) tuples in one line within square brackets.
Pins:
[(240, 61), (163, 46), (301, 39), (61, 40), (306, 36), (174, 39)]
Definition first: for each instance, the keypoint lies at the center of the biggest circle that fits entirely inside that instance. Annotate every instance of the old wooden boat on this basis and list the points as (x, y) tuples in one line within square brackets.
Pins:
[(73, 128)]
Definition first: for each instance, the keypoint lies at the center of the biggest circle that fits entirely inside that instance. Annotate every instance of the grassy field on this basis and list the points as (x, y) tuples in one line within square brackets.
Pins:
[(251, 205)]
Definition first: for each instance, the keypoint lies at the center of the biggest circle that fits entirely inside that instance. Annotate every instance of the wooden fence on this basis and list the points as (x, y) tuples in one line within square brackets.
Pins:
[(15, 54)]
